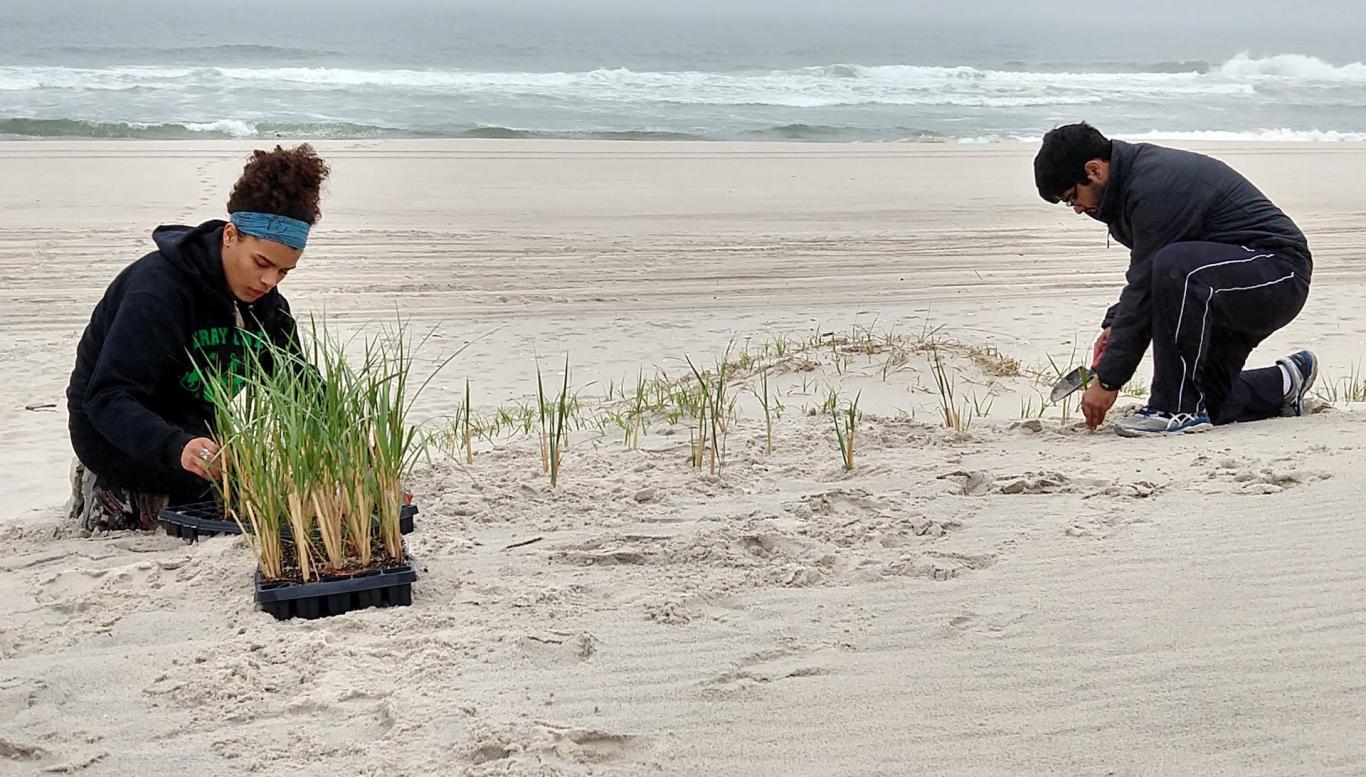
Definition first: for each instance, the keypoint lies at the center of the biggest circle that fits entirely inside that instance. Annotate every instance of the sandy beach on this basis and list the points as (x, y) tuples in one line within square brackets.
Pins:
[(1021, 597)]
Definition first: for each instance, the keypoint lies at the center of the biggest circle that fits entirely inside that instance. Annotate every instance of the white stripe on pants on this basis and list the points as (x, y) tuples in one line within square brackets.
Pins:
[(1204, 326)]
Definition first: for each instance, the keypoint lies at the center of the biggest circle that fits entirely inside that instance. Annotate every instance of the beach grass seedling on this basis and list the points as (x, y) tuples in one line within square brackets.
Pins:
[(557, 433), (704, 438), (642, 405), (1345, 391), (929, 335), (771, 404), (318, 447), (1353, 386), (542, 410), (1029, 408), (982, 407), (1065, 409), (1136, 388), (714, 407), (467, 430), (781, 346), (831, 401), (845, 424), (944, 383), (895, 358)]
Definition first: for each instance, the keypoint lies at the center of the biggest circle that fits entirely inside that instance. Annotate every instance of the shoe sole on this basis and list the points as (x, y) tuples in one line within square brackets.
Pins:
[(1296, 409), (1205, 426), (1308, 384)]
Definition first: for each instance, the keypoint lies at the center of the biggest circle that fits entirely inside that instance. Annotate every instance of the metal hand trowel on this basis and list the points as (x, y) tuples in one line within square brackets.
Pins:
[(1072, 381)]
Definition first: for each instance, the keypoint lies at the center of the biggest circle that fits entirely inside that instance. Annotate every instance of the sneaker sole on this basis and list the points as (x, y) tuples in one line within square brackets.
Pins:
[(1296, 409), (1308, 384), (1205, 426)]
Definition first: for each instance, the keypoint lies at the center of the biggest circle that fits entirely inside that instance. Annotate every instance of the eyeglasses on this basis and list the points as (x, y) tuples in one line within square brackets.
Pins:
[(1070, 200)]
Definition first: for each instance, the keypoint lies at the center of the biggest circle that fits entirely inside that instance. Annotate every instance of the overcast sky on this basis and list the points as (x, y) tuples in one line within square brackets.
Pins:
[(1053, 30), (1314, 13), (1320, 12)]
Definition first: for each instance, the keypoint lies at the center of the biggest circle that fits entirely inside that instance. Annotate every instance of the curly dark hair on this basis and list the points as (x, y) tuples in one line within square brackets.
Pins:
[(1061, 162), (285, 182)]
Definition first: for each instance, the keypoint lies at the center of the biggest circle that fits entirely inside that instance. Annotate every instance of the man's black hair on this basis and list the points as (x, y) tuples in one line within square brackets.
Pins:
[(1061, 162)]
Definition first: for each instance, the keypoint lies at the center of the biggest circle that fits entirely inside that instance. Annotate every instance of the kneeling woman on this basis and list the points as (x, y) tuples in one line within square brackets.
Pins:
[(140, 416)]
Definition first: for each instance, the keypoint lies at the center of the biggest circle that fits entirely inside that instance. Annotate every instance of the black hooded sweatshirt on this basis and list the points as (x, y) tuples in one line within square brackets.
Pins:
[(136, 396), (1157, 196)]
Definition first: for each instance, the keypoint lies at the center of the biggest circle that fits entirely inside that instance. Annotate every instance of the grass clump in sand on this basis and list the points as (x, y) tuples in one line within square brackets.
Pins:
[(944, 384), (713, 406), (555, 424), (845, 423), (1344, 391), (772, 405)]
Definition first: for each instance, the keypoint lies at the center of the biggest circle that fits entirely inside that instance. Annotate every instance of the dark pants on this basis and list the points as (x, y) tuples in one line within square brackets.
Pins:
[(1211, 305), (115, 469)]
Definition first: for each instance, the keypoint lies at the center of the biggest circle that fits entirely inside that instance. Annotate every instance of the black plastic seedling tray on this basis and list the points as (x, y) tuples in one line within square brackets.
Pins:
[(391, 587), (190, 522)]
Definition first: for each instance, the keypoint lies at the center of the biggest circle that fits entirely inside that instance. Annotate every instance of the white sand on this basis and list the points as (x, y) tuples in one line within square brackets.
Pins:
[(995, 602)]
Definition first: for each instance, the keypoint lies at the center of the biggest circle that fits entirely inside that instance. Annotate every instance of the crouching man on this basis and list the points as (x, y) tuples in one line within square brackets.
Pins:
[(1214, 269)]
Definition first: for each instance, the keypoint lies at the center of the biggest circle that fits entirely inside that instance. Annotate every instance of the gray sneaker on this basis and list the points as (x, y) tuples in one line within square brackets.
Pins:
[(1303, 367), (1149, 421)]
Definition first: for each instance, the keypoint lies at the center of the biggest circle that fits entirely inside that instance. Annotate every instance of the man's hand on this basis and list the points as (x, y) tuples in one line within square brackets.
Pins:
[(1095, 403), (199, 457), (1099, 347)]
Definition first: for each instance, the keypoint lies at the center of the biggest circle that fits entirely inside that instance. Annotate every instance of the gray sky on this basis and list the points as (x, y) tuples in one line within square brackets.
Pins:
[(1052, 30), (1236, 13), (1314, 13)]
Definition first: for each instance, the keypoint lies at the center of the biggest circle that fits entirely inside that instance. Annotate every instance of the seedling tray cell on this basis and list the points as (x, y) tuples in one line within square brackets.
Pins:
[(392, 587)]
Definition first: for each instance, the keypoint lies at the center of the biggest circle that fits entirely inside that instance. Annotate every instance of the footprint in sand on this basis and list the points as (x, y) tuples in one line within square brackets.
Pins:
[(1035, 483), (940, 565), (839, 501), (16, 751), (612, 551), (554, 648), (981, 483), (1139, 489), (539, 747), (1253, 476), (80, 584), (787, 662), (994, 622), (671, 613), (973, 483)]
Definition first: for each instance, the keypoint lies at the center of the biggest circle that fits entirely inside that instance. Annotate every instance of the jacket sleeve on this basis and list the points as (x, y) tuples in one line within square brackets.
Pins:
[(142, 339), (1168, 215), (1109, 318), (1131, 326)]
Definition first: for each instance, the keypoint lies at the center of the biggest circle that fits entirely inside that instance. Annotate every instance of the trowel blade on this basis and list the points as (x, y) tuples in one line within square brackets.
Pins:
[(1069, 383)]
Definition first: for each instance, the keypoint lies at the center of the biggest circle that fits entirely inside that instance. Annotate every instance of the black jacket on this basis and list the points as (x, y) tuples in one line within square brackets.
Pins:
[(136, 391), (1156, 196)]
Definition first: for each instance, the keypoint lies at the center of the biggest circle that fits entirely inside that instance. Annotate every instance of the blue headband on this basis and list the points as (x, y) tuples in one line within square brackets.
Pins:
[(281, 229)]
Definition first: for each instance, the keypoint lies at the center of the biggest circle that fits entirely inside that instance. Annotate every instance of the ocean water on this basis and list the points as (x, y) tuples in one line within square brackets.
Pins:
[(409, 68)]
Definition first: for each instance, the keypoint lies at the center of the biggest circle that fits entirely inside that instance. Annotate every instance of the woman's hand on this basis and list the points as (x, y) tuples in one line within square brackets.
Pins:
[(200, 457), (1096, 402)]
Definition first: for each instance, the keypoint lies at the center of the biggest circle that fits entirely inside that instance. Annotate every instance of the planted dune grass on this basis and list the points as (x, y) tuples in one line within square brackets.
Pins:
[(964, 380), (846, 422)]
